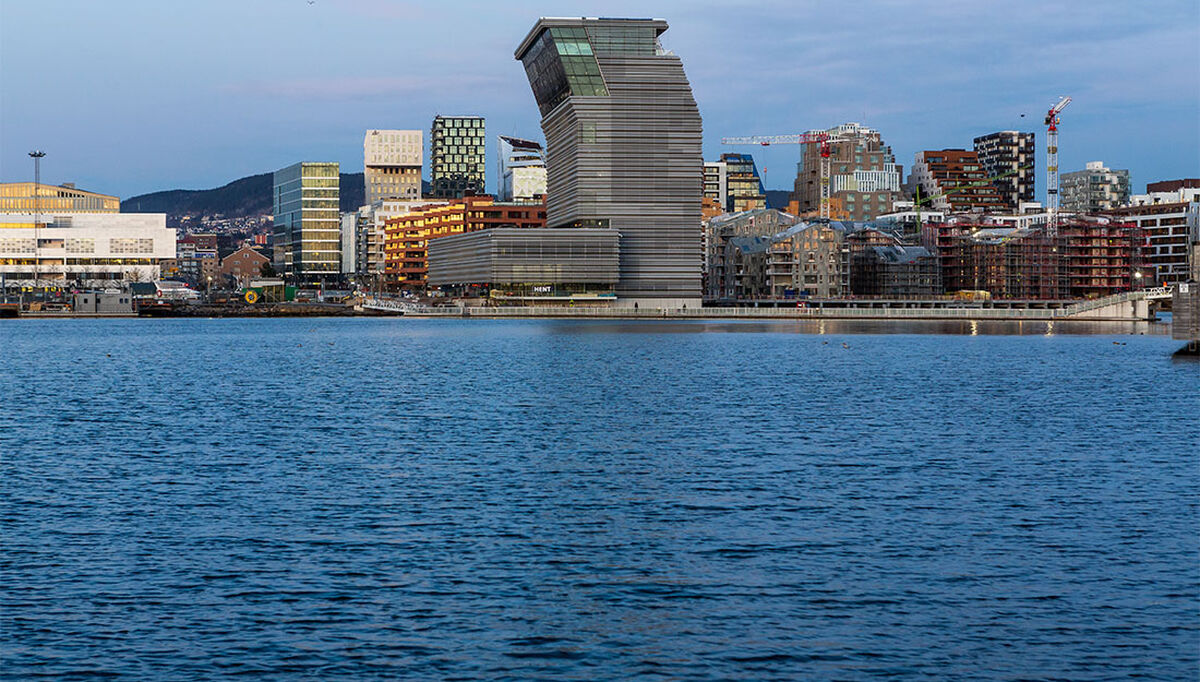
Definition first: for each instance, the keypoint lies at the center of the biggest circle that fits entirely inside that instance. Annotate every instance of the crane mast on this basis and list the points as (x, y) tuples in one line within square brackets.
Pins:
[(1052, 165), (811, 137)]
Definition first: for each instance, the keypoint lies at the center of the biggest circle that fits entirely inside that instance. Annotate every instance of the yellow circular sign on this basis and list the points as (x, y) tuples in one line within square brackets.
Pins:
[(251, 296)]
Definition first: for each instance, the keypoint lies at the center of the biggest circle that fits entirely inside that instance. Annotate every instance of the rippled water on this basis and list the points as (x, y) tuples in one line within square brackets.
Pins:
[(379, 498)]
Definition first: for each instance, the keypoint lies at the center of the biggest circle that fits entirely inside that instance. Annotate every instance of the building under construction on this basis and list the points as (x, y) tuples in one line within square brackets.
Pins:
[(1088, 259)]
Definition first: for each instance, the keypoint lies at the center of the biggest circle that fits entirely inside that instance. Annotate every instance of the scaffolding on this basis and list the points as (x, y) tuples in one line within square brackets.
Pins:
[(1085, 259)]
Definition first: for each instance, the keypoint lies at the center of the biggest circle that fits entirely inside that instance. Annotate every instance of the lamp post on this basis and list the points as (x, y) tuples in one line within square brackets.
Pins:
[(36, 155)]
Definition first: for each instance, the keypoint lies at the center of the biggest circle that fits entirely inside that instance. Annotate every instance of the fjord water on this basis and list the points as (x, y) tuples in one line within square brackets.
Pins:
[(439, 499)]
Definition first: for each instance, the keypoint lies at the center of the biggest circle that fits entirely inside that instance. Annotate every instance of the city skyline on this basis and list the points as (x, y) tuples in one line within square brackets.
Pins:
[(244, 90)]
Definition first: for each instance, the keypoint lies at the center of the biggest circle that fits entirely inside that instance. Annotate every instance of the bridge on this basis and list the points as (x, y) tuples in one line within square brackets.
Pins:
[(1128, 305)]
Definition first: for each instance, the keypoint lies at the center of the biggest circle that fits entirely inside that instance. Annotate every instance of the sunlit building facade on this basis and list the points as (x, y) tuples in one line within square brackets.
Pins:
[(83, 249), (744, 189), (407, 237), (307, 245), (19, 197), (392, 164)]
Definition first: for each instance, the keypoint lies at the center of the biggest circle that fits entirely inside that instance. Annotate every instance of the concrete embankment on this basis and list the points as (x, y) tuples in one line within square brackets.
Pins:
[(1137, 306)]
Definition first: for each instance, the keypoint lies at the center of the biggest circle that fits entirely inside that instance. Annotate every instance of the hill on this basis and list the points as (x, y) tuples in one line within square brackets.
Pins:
[(245, 197)]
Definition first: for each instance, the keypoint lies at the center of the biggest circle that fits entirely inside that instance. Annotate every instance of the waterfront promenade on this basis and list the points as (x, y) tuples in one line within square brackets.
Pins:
[(1124, 307)]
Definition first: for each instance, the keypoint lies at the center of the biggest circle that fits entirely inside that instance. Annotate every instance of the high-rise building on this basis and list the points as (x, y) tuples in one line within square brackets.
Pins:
[(392, 164), (944, 176), (1093, 189), (744, 190), (623, 140), (1009, 151), (522, 169), (457, 149), (716, 185), (307, 244), (864, 180)]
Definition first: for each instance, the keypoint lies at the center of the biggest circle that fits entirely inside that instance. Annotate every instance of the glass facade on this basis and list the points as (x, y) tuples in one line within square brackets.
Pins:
[(561, 64), (458, 151), (307, 222), (744, 187), (20, 197)]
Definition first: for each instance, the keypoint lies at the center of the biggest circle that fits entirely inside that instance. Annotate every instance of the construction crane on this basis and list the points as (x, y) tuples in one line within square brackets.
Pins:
[(811, 137), (1052, 165)]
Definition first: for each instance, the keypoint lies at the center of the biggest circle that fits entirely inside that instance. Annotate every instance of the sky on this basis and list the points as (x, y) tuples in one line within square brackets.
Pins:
[(135, 96)]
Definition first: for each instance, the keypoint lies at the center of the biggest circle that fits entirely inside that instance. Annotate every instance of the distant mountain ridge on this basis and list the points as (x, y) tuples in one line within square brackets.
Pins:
[(245, 197)]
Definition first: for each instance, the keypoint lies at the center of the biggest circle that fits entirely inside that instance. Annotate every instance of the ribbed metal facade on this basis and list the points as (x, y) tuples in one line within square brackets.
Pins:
[(627, 154), (525, 255)]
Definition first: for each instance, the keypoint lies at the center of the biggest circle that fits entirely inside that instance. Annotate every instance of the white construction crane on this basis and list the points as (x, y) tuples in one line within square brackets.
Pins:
[(811, 137), (1052, 165)]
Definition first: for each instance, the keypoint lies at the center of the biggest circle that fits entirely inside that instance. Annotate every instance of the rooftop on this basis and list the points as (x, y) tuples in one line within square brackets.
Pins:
[(558, 22)]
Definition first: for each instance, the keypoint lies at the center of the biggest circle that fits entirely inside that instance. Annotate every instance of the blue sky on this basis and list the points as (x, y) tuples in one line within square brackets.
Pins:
[(133, 96)]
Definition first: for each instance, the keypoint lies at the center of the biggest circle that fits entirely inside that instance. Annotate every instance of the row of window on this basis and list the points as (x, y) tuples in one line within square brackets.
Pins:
[(447, 122)]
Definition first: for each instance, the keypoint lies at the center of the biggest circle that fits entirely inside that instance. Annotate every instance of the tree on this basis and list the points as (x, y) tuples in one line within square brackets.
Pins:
[(267, 270)]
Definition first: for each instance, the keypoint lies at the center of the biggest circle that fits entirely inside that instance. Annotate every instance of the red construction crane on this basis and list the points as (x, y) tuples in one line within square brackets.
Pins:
[(1052, 165), (811, 137)]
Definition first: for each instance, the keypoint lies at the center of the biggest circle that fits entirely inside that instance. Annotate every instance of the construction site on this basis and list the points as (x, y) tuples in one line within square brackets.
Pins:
[(959, 237)]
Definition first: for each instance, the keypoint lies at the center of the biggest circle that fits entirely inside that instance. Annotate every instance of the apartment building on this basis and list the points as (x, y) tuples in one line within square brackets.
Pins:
[(1010, 154), (1094, 189), (864, 177), (955, 181)]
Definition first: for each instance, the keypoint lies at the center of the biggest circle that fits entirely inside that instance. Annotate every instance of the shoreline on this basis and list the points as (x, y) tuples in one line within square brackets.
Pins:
[(702, 314)]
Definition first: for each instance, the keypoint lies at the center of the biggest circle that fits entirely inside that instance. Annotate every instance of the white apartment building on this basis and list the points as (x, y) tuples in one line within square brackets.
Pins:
[(83, 249), (1172, 234), (1096, 188), (392, 162)]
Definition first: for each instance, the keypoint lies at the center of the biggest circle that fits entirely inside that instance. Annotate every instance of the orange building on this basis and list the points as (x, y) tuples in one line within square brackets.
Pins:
[(406, 237)]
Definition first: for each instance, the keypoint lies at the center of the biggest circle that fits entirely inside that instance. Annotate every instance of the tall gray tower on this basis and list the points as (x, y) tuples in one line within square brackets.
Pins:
[(623, 138)]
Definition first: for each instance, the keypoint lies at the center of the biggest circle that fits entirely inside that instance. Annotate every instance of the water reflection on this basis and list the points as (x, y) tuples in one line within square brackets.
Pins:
[(823, 327)]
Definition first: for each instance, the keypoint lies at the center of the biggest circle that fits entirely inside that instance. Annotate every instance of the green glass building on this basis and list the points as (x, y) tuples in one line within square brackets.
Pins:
[(307, 235), (457, 151)]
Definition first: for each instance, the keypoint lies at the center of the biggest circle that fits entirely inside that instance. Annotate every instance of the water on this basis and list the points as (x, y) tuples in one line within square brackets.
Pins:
[(381, 498)]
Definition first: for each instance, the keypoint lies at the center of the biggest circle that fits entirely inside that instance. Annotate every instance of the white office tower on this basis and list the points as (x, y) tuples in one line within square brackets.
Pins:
[(392, 164)]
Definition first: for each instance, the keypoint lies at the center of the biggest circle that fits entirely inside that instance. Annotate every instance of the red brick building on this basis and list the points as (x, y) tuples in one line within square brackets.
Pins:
[(243, 265), (946, 172)]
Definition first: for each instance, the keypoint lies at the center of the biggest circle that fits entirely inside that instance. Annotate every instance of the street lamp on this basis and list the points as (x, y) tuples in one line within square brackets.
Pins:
[(36, 155)]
